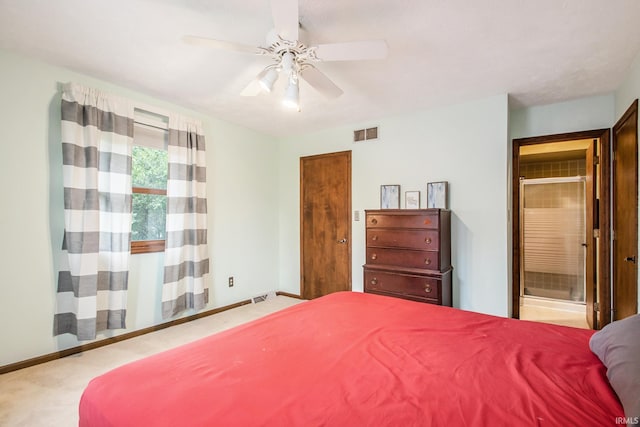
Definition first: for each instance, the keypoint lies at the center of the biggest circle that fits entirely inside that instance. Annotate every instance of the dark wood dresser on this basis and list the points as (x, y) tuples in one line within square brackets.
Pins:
[(409, 254)]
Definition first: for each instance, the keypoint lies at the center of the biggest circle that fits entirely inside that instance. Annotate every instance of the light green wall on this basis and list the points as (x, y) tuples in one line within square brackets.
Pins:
[(465, 145), (629, 90), (590, 113), (243, 211)]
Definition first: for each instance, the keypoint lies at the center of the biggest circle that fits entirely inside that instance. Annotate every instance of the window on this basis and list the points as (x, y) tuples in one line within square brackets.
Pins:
[(149, 184)]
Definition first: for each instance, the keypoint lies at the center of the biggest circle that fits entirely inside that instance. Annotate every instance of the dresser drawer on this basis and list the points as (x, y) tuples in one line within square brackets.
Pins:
[(421, 220), (410, 239), (422, 287), (429, 260)]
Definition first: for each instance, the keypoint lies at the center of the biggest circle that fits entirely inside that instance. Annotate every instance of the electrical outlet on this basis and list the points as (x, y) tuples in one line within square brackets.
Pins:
[(231, 281)]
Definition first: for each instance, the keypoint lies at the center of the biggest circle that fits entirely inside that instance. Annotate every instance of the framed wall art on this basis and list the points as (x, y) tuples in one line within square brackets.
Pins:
[(437, 196), (389, 197), (412, 200)]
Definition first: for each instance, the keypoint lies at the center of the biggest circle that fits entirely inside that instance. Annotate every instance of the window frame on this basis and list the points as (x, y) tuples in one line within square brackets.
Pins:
[(148, 119), (147, 246)]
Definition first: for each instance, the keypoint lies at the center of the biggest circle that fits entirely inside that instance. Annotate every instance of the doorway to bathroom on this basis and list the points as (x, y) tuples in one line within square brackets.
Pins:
[(560, 182), (610, 240)]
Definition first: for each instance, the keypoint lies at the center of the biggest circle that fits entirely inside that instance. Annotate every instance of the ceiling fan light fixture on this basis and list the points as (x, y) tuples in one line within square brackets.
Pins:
[(291, 54), (287, 62), (267, 81), (292, 95)]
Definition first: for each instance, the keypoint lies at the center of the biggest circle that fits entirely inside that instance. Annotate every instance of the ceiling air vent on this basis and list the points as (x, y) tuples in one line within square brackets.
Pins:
[(365, 134)]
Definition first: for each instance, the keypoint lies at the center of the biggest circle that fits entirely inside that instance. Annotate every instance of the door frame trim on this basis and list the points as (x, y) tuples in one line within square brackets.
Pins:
[(604, 274), (349, 225)]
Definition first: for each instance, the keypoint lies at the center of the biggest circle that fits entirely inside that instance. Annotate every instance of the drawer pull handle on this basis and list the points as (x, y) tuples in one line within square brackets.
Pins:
[(374, 256), (374, 281), (427, 240), (427, 289), (374, 238), (427, 261), (374, 221)]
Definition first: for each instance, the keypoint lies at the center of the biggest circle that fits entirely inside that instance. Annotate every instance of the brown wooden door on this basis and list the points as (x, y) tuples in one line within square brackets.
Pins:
[(325, 187), (590, 242), (602, 223), (625, 214)]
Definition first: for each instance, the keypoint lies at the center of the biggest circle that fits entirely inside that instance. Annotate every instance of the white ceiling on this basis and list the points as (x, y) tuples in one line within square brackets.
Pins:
[(441, 52)]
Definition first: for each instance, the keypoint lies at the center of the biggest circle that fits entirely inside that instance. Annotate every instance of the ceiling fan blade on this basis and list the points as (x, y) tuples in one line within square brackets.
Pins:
[(320, 82), (254, 88), (285, 18), (220, 44), (351, 51)]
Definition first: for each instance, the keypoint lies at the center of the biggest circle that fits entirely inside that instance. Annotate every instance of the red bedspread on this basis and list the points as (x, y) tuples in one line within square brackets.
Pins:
[(353, 359)]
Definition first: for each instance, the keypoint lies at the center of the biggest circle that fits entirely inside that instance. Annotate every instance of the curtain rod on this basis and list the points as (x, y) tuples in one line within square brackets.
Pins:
[(159, 127)]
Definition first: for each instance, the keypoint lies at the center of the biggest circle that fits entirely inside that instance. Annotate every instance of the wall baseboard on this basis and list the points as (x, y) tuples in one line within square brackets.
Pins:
[(287, 294), (106, 341)]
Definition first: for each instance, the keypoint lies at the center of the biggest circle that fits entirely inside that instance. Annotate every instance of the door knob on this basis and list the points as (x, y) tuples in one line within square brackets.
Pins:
[(631, 259), (342, 241)]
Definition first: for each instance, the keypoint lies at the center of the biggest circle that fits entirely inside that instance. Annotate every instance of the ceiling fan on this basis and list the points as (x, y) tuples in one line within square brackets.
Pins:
[(294, 58)]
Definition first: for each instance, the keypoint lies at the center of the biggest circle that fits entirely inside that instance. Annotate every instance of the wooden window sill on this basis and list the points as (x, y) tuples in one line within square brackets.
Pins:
[(147, 246)]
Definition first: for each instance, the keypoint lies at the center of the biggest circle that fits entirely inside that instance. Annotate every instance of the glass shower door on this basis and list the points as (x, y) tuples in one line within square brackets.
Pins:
[(552, 238)]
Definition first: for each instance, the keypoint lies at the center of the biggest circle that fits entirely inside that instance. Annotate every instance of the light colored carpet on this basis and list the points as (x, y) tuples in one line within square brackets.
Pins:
[(48, 394)]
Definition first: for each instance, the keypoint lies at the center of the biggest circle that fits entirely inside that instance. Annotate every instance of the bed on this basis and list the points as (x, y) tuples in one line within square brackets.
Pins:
[(355, 359)]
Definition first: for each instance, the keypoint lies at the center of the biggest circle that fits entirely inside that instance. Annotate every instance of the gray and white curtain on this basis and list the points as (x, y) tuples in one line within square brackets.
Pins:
[(186, 260), (97, 137)]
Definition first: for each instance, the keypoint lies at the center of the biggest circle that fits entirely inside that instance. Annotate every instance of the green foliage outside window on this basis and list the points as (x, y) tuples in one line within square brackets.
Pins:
[(149, 167), (149, 215), (149, 170)]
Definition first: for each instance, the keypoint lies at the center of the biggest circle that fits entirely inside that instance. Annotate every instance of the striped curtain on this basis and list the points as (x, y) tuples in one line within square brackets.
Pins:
[(97, 136), (186, 260)]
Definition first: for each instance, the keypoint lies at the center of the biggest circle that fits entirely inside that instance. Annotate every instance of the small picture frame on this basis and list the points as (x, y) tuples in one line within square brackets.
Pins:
[(437, 196), (412, 200), (389, 197)]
